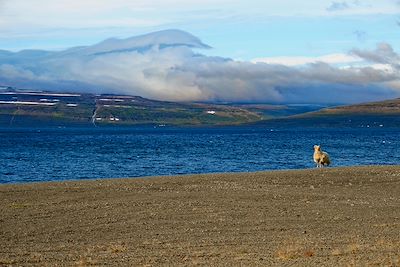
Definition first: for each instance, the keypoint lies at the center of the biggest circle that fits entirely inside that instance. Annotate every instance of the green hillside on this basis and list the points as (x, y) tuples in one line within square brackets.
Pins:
[(20, 106), (387, 107)]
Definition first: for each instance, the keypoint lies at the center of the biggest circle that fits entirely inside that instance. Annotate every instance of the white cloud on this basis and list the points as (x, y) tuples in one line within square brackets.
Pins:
[(140, 13), (163, 66), (383, 54), (335, 59), (338, 6), (364, 7), (58, 24)]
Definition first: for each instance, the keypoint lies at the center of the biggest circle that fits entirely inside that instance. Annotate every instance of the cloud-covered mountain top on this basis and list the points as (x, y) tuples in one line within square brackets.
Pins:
[(141, 44), (163, 65), (8, 57)]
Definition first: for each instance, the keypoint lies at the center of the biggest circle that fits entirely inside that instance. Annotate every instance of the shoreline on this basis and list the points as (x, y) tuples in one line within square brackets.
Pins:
[(310, 217), (192, 175)]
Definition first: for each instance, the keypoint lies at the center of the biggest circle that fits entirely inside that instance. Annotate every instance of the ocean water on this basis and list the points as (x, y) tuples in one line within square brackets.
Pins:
[(52, 154)]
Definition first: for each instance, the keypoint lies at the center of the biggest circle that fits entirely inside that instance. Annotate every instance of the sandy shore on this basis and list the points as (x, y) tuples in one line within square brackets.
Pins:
[(330, 217)]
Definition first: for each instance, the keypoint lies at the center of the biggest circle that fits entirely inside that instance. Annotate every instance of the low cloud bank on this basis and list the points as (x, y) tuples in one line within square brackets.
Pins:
[(166, 66)]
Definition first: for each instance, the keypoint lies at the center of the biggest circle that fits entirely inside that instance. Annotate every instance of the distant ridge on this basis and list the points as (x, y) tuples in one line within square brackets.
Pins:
[(386, 107), (20, 107), (366, 115)]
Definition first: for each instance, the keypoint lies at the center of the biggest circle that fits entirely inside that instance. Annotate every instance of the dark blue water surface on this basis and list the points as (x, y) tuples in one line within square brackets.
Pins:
[(49, 154)]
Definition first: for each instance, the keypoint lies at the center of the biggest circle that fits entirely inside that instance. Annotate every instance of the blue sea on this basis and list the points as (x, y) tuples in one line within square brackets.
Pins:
[(53, 154)]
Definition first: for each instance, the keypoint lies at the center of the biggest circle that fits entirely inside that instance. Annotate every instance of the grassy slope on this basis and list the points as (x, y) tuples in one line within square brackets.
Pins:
[(388, 107), (130, 110), (374, 114), (119, 110)]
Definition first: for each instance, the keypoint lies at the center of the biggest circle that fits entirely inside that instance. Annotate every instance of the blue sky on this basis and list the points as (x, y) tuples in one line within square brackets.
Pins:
[(235, 29), (315, 51)]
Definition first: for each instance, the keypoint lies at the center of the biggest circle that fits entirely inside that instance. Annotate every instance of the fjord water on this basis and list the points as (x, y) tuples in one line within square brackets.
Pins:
[(51, 154)]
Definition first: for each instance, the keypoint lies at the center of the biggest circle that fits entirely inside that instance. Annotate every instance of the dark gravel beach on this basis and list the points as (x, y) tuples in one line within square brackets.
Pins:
[(319, 217)]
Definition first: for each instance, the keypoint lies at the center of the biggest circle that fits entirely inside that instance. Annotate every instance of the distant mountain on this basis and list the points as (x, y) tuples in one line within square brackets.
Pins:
[(19, 107), (281, 111), (24, 56), (26, 107), (140, 44), (158, 40), (387, 107), (170, 65), (366, 115), (149, 65)]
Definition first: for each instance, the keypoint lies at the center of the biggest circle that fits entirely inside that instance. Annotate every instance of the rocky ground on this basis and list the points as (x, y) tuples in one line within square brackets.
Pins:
[(319, 217)]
